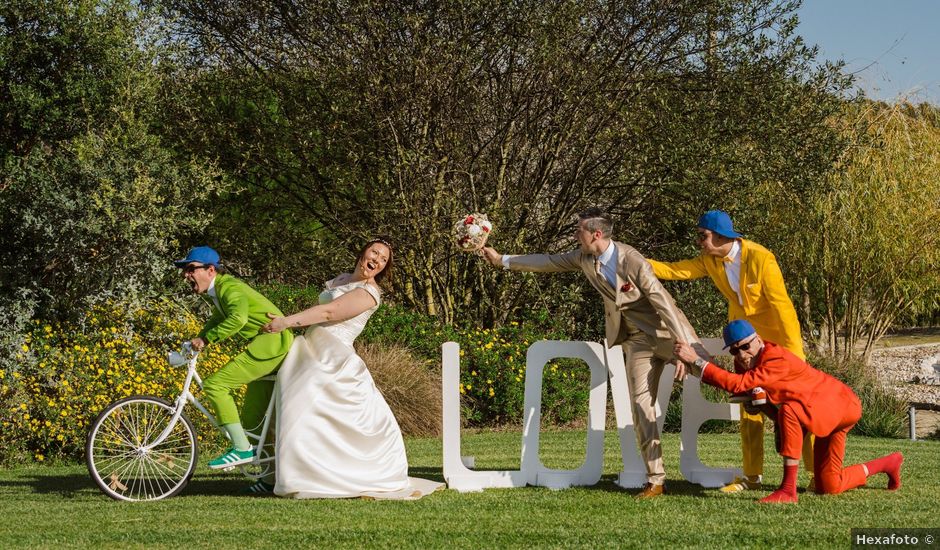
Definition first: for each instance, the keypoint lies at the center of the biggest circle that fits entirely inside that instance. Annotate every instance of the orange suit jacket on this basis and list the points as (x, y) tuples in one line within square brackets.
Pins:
[(822, 403)]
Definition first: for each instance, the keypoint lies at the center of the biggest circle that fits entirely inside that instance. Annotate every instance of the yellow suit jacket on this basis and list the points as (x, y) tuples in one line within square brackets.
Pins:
[(637, 302), (766, 304)]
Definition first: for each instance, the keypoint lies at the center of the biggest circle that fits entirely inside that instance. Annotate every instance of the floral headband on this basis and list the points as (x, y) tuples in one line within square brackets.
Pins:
[(381, 240)]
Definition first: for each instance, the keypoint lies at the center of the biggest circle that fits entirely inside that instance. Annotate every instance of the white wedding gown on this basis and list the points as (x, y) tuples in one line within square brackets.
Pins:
[(336, 435)]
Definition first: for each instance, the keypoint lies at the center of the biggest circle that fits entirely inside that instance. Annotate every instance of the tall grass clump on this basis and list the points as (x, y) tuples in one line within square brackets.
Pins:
[(883, 413), (412, 391)]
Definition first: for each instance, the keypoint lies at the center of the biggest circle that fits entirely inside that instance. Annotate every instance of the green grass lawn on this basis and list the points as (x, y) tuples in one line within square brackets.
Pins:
[(59, 506)]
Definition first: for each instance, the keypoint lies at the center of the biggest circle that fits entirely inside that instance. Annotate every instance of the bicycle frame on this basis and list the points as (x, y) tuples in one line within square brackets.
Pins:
[(186, 396)]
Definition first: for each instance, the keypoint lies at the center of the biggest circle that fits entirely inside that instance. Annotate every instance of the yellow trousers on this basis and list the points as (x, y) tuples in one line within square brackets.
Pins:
[(752, 445)]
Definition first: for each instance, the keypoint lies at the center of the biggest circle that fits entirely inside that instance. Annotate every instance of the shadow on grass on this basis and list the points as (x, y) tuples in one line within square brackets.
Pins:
[(427, 472), (233, 484), (673, 487), (216, 485), (74, 485), (65, 486), (202, 484), (212, 484)]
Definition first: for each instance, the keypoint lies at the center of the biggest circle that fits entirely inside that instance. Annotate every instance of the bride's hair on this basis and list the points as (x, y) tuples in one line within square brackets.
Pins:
[(386, 273)]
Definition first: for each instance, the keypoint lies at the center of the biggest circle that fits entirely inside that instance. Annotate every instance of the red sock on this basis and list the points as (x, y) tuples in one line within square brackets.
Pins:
[(787, 490), (891, 465)]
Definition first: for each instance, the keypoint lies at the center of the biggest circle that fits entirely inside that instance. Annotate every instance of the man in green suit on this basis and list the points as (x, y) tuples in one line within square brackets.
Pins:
[(237, 310)]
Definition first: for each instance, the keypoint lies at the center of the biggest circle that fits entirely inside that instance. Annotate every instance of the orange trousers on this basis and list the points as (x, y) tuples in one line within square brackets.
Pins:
[(829, 451), (752, 445)]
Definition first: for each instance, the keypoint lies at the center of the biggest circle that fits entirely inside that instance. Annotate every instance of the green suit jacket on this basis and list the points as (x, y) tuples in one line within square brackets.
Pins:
[(242, 311)]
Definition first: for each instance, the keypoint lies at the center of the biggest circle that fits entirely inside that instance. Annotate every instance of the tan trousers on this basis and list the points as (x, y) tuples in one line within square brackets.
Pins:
[(645, 357)]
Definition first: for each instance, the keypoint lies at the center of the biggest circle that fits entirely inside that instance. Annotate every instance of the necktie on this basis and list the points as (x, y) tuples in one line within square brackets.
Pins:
[(597, 270)]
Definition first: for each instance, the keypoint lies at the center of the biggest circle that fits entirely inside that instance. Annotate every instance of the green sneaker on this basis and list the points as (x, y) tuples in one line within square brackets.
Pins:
[(258, 488), (233, 457)]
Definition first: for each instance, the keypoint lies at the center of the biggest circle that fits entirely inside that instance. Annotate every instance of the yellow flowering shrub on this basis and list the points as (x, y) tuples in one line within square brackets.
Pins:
[(492, 377), (65, 375)]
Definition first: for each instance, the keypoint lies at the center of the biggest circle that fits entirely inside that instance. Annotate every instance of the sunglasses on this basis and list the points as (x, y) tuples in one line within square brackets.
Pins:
[(192, 268), (738, 348)]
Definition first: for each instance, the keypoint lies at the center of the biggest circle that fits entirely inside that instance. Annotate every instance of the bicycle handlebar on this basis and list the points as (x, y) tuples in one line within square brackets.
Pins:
[(182, 357)]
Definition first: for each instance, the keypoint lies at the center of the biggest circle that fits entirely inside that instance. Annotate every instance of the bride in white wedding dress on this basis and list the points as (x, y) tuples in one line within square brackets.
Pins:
[(336, 436)]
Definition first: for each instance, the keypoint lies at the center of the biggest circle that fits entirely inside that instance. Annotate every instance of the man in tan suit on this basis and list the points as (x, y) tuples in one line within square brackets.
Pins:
[(639, 314)]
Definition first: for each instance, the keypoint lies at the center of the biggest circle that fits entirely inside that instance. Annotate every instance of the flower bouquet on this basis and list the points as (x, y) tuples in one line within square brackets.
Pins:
[(471, 231)]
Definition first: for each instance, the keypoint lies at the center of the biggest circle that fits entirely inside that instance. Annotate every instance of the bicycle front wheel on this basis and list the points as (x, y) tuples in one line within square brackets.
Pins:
[(117, 452)]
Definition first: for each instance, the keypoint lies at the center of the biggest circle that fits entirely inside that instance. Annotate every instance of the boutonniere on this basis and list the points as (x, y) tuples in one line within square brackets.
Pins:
[(627, 287)]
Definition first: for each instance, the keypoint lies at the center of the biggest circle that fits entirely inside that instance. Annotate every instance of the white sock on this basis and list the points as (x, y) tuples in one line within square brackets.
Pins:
[(237, 434)]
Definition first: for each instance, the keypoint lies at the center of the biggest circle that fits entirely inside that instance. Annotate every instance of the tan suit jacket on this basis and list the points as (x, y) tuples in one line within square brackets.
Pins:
[(637, 302)]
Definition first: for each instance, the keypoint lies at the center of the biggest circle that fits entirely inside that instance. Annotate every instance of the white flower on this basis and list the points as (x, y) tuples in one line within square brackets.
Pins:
[(473, 230), (486, 225)]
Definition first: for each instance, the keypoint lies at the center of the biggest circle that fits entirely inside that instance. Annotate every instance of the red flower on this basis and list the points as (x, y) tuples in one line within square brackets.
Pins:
[(627, 287), (468, 221), (485, 228)]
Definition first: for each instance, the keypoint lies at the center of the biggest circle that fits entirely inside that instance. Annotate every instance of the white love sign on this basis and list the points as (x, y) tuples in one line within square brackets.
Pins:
[(605, 364)]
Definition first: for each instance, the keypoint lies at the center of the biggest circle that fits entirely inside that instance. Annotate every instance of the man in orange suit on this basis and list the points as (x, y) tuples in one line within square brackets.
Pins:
[(807, 401)]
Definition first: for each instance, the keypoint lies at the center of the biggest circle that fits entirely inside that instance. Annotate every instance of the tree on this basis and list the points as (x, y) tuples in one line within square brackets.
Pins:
[(92, 203), (867, 247), (401, 116)]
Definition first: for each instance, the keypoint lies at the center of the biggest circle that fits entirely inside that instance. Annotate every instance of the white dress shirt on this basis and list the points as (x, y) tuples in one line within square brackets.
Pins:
[(733, 269), (608, 261), (211, 292)]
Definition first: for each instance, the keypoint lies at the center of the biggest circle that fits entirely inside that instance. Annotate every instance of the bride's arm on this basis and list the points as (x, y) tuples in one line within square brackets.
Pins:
[(345, 307)]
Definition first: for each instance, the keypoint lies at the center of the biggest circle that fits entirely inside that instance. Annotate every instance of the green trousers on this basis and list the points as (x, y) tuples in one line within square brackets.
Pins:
[(245, 369)]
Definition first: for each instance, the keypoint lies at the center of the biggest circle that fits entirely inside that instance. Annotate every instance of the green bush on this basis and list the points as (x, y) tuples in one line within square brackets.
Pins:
[(93, 204), (492, 365), (492, 377), (673, 420)]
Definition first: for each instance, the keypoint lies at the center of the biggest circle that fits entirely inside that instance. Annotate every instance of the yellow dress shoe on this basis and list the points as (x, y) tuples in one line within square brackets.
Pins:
[(747, 483), (651, 491)]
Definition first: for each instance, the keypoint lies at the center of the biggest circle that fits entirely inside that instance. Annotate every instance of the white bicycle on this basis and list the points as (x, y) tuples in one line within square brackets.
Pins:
[(144, 448)]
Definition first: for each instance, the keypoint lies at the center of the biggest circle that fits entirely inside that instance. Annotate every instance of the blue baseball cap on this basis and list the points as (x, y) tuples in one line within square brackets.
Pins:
[(736, 331), (719, 222), (201, 254)]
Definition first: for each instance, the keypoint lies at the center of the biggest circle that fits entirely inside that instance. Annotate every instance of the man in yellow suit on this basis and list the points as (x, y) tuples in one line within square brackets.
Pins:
[(748, 276)]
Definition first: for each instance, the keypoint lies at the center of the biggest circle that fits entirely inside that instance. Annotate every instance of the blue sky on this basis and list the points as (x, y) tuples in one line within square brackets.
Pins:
[(893, 46)]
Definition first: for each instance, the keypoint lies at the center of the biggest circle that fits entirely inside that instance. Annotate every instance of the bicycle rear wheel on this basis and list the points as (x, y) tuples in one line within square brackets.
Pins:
[(116, 453)]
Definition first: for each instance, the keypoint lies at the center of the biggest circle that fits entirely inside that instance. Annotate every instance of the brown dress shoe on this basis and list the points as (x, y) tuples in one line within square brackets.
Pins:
[(650, 491)]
